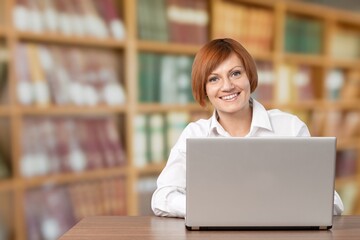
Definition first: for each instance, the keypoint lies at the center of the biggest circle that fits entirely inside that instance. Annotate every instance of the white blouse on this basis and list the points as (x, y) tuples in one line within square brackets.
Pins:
[(169, 197)]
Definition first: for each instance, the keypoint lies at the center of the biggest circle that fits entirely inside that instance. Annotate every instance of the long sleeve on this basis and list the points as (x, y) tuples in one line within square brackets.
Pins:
[(169, 197), (338, 204)]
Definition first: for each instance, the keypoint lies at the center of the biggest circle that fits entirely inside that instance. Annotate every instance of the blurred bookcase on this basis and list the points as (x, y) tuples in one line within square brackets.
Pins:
[(145, 49)]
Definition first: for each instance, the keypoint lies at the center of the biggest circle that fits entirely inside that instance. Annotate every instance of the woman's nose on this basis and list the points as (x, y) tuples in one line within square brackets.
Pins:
[(227, 85)]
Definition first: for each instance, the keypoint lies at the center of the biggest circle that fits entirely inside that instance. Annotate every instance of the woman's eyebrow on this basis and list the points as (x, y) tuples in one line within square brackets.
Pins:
[(240, 66)]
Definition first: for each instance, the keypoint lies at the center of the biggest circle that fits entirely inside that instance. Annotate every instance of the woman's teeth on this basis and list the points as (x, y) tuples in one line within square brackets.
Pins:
[(229, 97)]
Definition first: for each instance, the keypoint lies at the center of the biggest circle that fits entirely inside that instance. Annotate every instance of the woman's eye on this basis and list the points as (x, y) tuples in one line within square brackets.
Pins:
[(236, 74), (212, 79)]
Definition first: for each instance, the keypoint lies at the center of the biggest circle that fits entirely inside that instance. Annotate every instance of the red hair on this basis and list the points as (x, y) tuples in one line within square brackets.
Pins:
[(210, 56)]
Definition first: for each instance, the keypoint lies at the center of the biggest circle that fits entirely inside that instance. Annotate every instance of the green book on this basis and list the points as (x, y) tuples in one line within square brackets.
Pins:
[(148, 89), (290, 33)]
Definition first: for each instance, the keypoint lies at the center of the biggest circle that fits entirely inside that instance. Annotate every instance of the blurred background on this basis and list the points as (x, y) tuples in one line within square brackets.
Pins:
[(94, 93)]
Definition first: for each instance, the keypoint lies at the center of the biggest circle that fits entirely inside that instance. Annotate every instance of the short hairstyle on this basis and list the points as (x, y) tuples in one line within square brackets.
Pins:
[(210, 56)]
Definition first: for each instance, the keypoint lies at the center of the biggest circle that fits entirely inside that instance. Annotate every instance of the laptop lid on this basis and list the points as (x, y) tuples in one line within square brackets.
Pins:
[(285, 182)]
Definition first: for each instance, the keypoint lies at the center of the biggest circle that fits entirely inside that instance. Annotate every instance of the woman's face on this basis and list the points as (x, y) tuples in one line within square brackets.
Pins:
[(228, 86)]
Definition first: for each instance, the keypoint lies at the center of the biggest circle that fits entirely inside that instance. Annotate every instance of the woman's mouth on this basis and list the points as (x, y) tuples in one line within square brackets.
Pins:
[(230, 97)]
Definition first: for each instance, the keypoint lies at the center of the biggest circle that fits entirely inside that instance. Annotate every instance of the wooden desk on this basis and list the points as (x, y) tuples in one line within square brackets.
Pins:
[(156, 228)]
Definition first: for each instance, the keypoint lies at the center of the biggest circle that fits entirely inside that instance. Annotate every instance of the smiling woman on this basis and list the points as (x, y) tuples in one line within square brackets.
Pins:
[(223, 75)]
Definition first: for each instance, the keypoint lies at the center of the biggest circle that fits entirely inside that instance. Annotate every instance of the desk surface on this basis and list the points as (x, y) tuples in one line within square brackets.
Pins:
[(142, 228)]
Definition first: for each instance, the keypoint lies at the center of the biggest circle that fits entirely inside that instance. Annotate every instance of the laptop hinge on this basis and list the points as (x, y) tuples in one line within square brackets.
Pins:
[(195, 228), (323, 227)]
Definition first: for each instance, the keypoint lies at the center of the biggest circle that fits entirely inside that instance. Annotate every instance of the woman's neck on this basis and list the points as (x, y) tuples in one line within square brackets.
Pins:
[(236, 124)]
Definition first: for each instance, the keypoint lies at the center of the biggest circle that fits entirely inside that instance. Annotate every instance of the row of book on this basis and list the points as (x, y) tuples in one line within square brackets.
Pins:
[(346, 163), (52, 210), (343, 85), (346, 44), (179, 21), (342, 124), (155, 134), (265, 88), (58, 145), (68, 76), (252, 26), (95, 18), (164, 78), (303, 35), (145, 188), (3, 72), (296, 83)]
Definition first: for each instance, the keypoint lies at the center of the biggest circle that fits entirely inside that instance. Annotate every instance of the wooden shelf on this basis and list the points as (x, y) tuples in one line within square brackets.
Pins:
[(71, 110), (151, 169), (341, 105), (331, 19), (348, 143), (156, 107), (4, 111), (343, 181), (167, 48), (305, 105), (61, 39), (65, 178), (6, 185), (344, 63), (306, 59), (309, 9)]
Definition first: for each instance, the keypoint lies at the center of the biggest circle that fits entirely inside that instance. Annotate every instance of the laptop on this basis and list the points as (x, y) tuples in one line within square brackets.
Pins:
[(260, 183)]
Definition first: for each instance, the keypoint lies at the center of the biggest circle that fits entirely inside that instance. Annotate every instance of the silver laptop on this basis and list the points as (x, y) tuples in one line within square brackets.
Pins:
[(260, 183)]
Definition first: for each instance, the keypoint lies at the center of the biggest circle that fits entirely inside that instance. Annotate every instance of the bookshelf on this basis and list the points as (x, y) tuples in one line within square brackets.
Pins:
[(272, 52)]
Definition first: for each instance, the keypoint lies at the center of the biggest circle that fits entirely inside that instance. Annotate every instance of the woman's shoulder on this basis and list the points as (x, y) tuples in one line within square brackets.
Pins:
[(276, 113), (199, 128)]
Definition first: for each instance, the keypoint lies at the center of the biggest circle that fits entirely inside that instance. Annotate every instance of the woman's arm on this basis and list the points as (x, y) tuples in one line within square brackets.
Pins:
[(169, 198)]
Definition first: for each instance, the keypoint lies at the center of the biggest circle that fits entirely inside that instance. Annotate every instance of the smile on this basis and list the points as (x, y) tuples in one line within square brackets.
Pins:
[(230, 97)]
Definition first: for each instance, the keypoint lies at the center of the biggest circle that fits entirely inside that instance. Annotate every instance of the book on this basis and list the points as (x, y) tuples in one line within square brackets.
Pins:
[(346, 163), (20, 13), (351, 125), (50, 15), (115, 141), (24, 87), (317, 120), (303, 83), (350, 90), (284, 89), (140, 141), (334, 82), (113, 17), (40, 87), (175, 124), (156, 138), (148, 82), (334, 119), (265, 88)]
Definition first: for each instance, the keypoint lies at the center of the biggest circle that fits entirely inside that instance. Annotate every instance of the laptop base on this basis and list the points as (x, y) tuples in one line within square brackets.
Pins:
[(258, 228)]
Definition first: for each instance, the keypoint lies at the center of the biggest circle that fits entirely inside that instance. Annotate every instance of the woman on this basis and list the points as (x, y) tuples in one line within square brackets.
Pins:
[(223, 74)]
